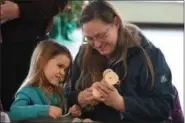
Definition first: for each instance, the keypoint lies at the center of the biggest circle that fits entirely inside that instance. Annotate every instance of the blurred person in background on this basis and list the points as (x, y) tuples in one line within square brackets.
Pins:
[(23, 24)]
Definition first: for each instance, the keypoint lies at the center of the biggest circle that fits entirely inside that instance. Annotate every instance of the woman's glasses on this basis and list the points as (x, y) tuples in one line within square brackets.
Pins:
[(100, 36)]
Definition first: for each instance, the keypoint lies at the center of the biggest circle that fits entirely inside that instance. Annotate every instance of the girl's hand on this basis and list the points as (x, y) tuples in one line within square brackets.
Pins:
[(55, 112)]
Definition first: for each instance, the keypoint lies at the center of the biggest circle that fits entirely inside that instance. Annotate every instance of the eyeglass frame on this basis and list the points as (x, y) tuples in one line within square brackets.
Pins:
[(98, 37)]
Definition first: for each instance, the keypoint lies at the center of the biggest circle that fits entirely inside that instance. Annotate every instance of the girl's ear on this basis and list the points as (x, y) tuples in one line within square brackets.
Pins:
[(117, 21)]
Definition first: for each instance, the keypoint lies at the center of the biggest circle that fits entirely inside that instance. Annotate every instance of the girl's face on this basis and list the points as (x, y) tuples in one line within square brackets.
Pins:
[(101, 36), (57, 68)]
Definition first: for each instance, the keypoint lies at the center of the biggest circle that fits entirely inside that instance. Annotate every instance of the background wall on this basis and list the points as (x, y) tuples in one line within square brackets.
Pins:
[(166, 12)]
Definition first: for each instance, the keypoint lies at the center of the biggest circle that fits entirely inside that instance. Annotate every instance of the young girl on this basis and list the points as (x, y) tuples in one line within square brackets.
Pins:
[(41, 95)]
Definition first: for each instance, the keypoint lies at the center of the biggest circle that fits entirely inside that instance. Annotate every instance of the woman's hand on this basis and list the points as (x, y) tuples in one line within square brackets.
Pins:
[(9, 10), (75, 111), (85, 97), (110, 96), (55, 112)]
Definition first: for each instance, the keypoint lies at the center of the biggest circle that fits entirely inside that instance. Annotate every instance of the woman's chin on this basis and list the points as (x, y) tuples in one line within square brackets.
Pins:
[(104, 53)]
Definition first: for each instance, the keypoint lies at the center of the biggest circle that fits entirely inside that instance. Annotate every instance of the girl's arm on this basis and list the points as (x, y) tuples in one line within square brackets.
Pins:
[(21, 110)]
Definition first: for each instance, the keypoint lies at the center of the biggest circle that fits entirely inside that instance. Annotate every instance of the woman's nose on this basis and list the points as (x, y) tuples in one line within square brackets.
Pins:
[(97, 44), (62, 72)]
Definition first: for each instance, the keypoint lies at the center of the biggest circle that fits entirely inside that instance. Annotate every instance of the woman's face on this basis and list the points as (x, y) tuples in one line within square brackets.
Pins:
[(101, 36), (57, 68)]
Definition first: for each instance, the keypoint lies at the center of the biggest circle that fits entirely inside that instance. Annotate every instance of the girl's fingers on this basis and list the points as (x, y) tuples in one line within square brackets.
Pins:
[(53, 115)]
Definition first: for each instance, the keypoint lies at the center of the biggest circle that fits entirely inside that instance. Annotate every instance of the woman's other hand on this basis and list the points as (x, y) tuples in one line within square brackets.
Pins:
[(110, 96), (75, 111), (86, 97)]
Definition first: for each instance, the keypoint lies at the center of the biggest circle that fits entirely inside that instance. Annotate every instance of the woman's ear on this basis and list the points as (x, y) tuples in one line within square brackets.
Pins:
[(117, 22)]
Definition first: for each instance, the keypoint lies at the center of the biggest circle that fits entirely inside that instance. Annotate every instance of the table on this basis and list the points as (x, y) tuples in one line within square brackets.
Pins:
[(50, 120), (67, 119)]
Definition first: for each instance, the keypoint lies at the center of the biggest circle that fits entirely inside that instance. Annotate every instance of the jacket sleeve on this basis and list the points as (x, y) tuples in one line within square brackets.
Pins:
[(37, 10), (158, 102), (22, 110), (76, 70)]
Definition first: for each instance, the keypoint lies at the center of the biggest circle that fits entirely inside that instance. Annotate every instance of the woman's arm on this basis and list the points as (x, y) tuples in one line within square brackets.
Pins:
[(157, 103), (34, 10)]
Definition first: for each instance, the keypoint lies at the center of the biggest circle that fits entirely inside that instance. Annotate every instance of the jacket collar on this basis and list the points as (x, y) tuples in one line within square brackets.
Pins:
[(144, 42)]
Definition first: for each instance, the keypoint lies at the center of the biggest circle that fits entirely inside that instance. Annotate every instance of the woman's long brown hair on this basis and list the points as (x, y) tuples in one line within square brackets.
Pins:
[(93, 63)]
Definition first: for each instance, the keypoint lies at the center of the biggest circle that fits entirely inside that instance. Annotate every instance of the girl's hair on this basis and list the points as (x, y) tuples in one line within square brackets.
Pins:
[(45, 51), (93, 63)]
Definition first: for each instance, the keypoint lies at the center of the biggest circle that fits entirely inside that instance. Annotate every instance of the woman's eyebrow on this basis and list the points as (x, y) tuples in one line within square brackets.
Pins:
[(95, 35)]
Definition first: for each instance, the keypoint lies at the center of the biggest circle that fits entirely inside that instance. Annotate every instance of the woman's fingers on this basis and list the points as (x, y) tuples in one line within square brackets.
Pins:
[(90, 98), (103, 85), (108, 86), (75, 111), (102, 92), (89, 89), (104, 89)]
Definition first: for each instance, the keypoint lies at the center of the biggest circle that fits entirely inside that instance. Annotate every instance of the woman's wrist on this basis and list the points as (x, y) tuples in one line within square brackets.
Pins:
[(17, 11), (9, 11), (80, 99), (120, 106)]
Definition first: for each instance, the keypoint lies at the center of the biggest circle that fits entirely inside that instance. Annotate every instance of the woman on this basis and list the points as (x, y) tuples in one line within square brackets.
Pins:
[(145, 92), (25, 23)]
